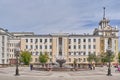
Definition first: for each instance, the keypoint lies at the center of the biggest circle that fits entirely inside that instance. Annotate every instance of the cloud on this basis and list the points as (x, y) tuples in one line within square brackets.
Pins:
[(50, 16)]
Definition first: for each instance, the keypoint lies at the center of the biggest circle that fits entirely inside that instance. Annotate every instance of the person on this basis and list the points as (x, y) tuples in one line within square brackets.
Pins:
[(94, 66), (90, 67), (119, 68), (31, 67)]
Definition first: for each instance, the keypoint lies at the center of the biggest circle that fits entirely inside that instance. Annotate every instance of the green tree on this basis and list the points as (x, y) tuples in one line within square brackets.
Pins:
[(43, 58), (91, 58), (97, 59), (119, 57), (105, 57), (25, 57)]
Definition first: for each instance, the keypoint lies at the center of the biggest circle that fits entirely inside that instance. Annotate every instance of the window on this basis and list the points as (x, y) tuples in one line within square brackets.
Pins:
[(45, 40), (84, 53), (36, 53), (74, 46), (40, 53), (50, 46), (94, 53), (12, 50), (74, 40), (115, 43), (2, 43), (45, 46), (50, 59), (50, 40), (79, 59), (36, 46), (36, 40), (3, 61), (2, 55), (2, 49), (79, 46), (36, 59), (75, 59), (94, 40), (69, 59), (89, 46), (40, 46), (89, 53), (69, 41), (26, 40), (69, 47), (69, 53), (89, 40), (84, 46), (41, 40), (94, 47), (26, 46), (84, 59), (31, 47), (74, 53), (79, 40), (84, 40), (50, 53), (31, 40)]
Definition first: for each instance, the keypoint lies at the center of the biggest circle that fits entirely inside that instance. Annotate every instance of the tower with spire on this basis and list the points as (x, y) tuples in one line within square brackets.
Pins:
[(104, 22), (104, 29), (106, 32)]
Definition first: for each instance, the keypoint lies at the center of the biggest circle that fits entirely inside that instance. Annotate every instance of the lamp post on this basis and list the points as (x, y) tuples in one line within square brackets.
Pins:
[(109, 62), (17, 50), (109, 56)]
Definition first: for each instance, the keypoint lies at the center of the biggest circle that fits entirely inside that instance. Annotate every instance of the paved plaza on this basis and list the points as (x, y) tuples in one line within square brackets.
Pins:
[(26, 74)]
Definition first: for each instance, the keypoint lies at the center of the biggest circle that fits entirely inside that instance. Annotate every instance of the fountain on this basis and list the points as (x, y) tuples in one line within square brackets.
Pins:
[(60, 61), (60, 66), (57, 66)]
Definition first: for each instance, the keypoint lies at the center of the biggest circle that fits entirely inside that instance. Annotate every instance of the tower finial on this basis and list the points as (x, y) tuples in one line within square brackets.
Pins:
[(103, 12)]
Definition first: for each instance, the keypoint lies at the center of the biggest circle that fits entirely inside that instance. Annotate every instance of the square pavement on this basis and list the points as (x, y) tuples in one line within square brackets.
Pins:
[(25, 74)]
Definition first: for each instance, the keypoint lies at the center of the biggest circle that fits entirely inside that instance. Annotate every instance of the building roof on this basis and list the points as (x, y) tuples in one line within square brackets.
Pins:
[(61, 35)]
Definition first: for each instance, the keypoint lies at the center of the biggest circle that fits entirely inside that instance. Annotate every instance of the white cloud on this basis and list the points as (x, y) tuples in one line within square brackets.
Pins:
[(49, 16)]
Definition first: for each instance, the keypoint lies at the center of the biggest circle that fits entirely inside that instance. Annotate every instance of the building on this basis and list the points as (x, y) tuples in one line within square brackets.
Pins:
[(15, 42), (4, 48), (60, 45)]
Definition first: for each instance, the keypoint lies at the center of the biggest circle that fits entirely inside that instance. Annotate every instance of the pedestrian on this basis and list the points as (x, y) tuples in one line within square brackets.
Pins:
[(119, 68), (31, 67), (93, 66), (90, 67)]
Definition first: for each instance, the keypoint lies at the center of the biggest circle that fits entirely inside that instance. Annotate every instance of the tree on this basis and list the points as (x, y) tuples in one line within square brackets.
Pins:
[(119, 57), (91, 58), (43, 58), (25, 57), (105, 57), (97, 59)]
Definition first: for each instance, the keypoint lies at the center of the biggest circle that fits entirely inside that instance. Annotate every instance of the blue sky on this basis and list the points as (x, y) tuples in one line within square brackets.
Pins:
[(51, 16)]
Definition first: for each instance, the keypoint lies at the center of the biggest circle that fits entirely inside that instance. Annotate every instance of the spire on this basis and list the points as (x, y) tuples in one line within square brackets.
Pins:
[(104, 22), (103, 12)]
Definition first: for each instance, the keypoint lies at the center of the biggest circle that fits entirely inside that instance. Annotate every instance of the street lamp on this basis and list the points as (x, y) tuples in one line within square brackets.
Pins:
[(17, 50), (109, 56), (109, 62)]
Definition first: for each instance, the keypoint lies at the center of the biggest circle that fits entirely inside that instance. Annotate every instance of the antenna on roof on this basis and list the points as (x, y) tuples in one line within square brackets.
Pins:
[(103, 12)]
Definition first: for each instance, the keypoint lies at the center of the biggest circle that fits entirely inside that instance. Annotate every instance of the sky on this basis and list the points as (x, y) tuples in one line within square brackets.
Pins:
[(54, 16)]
